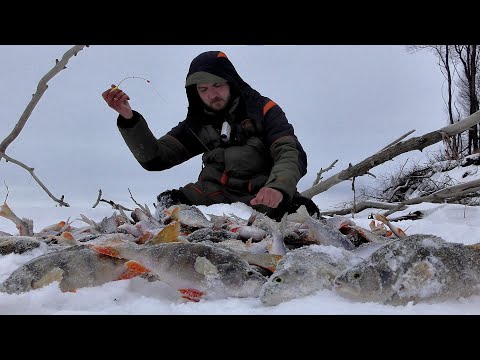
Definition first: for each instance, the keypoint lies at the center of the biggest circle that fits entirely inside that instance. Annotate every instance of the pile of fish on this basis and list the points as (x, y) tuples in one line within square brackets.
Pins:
[(227, 256)]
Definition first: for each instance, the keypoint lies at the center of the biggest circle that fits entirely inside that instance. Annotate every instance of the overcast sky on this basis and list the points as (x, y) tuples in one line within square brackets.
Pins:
[(345, 102)]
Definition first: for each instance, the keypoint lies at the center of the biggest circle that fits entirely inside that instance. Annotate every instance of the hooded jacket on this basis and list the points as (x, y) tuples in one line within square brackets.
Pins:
[(263, 149)]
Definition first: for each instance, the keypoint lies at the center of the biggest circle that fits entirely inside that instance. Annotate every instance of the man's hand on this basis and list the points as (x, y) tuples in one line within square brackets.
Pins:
[(118, 101), (267, 196)]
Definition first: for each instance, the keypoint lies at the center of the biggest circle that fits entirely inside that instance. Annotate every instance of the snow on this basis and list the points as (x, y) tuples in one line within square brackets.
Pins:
[(452, 222)]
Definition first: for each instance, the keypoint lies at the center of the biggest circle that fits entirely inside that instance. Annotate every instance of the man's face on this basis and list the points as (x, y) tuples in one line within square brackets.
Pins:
[(215, 96)]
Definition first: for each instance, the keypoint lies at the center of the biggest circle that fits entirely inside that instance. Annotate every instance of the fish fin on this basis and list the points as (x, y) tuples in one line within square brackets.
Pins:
[(275, 260), (134, 269), (106, 250), (56, 274), (142, 239), (205, 267), (68, 238), (191, 294), (168, 234), (136, 266)]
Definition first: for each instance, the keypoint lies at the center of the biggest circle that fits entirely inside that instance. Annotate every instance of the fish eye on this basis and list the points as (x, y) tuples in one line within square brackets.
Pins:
[(356, 275), (250, 273), (278, 279)]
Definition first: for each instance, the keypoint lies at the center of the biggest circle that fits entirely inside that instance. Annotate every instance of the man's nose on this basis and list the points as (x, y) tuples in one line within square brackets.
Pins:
[(212, 93)]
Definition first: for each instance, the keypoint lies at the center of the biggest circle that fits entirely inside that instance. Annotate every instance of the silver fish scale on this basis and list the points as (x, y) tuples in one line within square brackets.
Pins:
[(327, 235), (415, 268), (176, 264), (81, 266), (304, 271), (17, 244)]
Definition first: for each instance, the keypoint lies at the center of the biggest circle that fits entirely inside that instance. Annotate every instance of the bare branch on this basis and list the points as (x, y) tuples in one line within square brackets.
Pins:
[(417, 143), (115, 205), (399, 139), (360, 207), (319, 174), (41, 88), (98, 198), (31, 171), (6, 197), (24, 226), (145, 208), (456, 191)]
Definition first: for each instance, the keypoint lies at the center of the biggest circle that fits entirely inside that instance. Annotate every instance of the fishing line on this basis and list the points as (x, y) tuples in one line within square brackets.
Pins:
[(139, 77)]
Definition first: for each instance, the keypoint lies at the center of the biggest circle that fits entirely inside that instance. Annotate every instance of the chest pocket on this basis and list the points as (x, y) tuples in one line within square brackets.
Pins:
[(209, 137), (247, 160)]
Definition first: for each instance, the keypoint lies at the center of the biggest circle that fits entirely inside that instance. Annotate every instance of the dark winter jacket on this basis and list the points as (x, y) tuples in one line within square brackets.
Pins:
[(263, 149)]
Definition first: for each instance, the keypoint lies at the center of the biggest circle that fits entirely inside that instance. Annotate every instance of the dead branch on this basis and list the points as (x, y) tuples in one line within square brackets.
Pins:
[(319, 174), (98, 198), (31, 171), (24, 226), (399, 139), (360, 207), (115, 205), (41, 88), (6, 196), (417, 143), (457, 191), (145, 208)]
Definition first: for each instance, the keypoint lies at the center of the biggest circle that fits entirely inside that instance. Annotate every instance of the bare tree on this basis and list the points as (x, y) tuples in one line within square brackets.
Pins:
[(468, 57), (447, 65), (41, 88), (460, 66)]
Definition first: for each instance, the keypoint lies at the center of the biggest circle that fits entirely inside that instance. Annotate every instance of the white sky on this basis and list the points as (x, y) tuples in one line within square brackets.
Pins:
[(345, 102)]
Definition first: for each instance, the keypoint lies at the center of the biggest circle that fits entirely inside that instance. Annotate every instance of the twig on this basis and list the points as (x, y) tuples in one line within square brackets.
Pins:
[(31, 171), (398, 140), (115, 205), (360, 207), (145, 208), (98, 198), (6, 197), (459, 190), (41, 88), (319, 174)]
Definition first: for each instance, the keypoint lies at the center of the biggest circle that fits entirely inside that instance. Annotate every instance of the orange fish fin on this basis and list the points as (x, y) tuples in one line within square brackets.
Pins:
[(106, 250), (129, 274), (68, 235), (168, 234), (136, 266), (191, 294)]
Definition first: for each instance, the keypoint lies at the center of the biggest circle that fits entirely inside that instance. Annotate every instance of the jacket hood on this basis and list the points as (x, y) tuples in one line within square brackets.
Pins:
[(218, 64)]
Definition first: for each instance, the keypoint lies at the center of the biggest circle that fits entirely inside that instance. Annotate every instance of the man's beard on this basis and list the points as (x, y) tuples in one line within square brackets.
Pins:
[(218, 104)]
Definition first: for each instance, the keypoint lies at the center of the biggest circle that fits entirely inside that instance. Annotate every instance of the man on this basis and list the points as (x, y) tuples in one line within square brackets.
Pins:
[(250, 151)]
